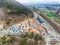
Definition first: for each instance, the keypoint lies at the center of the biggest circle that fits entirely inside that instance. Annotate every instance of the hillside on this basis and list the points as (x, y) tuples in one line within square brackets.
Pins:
[(14, 5), (14, 12)]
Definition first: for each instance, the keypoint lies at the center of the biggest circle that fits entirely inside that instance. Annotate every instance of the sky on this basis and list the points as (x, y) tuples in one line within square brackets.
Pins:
[(38, 1)]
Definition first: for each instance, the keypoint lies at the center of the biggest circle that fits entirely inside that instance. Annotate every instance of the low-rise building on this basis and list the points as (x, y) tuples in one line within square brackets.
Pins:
[(1, 26)]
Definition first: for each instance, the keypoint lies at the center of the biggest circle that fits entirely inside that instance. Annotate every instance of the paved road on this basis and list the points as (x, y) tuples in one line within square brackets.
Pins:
[(50, 30)]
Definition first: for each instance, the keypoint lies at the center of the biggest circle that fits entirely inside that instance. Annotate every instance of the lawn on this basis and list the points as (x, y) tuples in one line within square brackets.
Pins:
[(52, 15), (57, 20)]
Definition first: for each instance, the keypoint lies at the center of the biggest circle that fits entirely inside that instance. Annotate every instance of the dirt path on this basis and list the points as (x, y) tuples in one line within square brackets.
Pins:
[(2, 14)]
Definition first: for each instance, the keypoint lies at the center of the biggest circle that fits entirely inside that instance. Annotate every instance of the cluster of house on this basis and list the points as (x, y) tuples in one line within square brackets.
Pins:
[(22, 27), (27, 26)]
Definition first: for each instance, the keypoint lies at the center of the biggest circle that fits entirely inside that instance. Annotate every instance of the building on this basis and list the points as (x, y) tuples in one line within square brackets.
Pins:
[(58, 11), (1, 26), (37, 26)]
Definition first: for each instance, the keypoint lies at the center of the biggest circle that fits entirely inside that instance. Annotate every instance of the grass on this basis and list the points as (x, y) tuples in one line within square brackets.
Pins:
[(50, 14), (57, 20), (53, 16)]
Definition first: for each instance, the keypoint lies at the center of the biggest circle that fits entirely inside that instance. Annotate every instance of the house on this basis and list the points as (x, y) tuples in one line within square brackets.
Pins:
[(37, 26), (1, 26), (58, 12), (15, 30), (33, 30), (26, 30), (25, 25)]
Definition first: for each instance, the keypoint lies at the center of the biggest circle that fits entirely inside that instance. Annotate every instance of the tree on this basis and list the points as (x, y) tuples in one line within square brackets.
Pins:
[(3, 40), (31, 35), (8, 21), (12, 38), (37, 38), (24, 41)]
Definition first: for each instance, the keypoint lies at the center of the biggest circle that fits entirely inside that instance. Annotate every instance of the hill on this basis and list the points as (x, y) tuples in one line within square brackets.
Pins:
[(14, 12), (12, 4)]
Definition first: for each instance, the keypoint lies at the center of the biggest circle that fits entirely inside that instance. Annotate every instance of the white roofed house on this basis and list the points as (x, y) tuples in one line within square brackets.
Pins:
[(15, 30), (18, 28), (1, 26), (25, 25)]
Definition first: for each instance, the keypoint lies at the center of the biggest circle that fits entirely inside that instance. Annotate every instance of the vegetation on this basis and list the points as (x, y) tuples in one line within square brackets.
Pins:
[(25, 40), (3, 39), (31, 35), (8, 21), (15, 10), (38, 37), (18, 8), (53, 16), (54, 43), (50, 14), (6, 39), (57, 20)]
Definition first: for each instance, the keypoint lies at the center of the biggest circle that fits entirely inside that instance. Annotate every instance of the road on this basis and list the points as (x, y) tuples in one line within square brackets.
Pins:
[(2, 14), (51, 31)]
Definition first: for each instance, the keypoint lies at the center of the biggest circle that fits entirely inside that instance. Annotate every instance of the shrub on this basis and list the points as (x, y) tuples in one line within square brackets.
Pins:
[(24, 41)]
